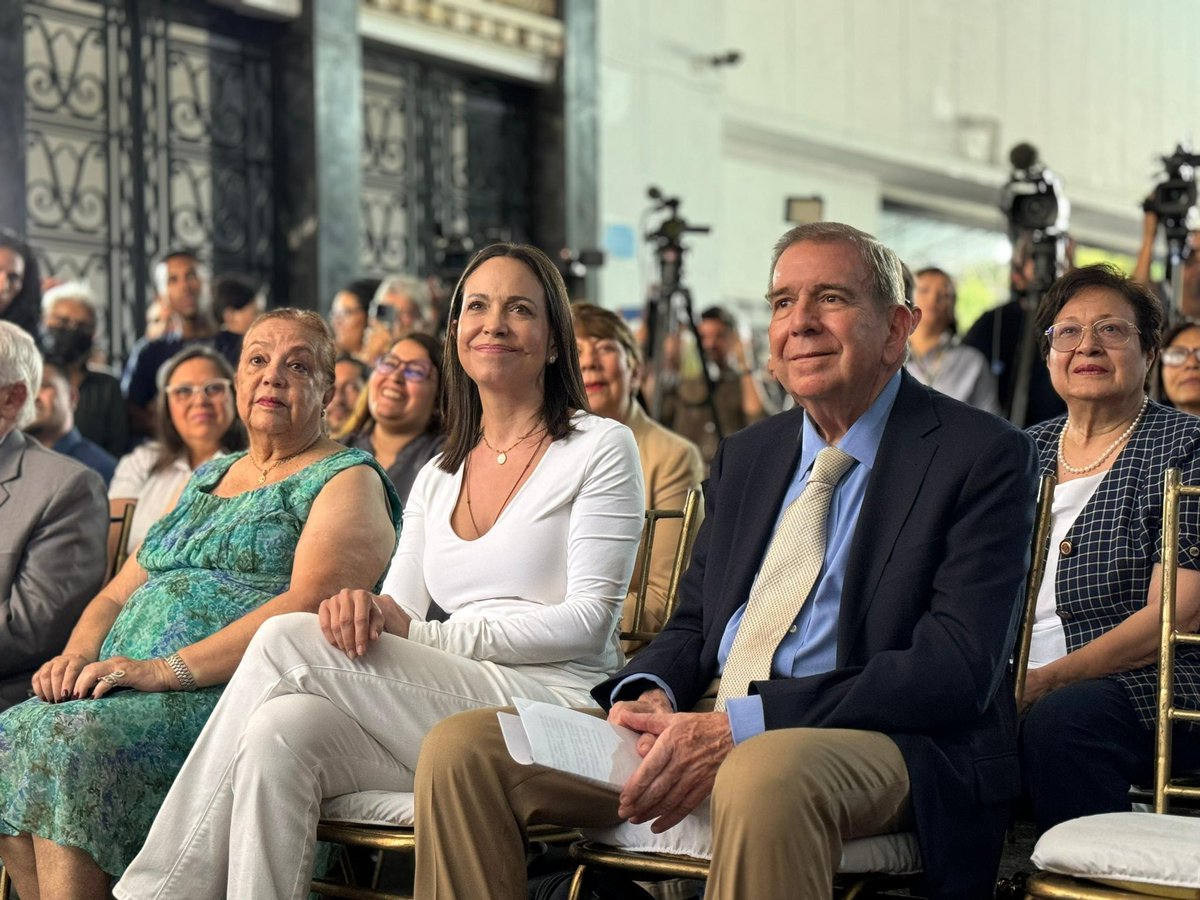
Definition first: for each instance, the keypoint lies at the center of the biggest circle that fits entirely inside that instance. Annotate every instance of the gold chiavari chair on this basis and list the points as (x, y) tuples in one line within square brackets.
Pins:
[(5, 883), (119, 545), (868, 865), (690, 515), (1033, 584), (382, 820), (1136, 854)]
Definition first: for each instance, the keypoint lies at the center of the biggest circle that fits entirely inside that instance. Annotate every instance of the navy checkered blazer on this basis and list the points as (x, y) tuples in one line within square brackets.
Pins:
[(1104, 574)]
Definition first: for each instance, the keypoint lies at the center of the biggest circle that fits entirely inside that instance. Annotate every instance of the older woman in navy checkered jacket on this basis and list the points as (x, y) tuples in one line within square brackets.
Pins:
[(1090, 695)]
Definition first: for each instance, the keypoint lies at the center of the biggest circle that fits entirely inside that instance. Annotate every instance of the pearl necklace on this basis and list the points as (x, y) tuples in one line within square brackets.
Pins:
[(1062, 460)]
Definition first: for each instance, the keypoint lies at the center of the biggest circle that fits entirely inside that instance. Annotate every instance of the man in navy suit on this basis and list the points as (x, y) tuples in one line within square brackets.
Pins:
[(887, 707)]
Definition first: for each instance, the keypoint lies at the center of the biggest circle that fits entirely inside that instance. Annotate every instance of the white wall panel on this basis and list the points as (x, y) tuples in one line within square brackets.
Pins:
[(859, 98)]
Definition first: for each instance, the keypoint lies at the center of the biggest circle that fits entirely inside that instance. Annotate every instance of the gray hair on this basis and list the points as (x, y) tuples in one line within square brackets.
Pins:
[(72, 290), (883, 265), (409, 286), (20, 363)]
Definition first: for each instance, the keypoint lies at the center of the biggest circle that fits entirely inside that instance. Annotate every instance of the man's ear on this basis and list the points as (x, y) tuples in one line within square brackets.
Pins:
[(916, 314), (17, 395)]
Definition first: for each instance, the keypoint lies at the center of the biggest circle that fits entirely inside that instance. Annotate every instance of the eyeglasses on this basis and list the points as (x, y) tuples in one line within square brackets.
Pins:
[(216, 389), (1177, 356), (411, 369), (1110, 333)]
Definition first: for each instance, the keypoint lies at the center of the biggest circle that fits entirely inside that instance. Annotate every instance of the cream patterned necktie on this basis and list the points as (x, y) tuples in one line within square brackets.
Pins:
[(787, 575)]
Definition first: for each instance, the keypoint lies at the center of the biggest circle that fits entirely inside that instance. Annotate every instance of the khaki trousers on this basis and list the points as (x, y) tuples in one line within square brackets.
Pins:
[(782, 805)]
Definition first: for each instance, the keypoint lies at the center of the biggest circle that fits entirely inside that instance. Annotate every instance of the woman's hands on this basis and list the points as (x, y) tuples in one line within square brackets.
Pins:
[(72, 676), (352, 620)]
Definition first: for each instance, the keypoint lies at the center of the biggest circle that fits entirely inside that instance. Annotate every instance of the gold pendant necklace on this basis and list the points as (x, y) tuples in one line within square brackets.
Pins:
[(502, 455), (263, 473), (512, 490)]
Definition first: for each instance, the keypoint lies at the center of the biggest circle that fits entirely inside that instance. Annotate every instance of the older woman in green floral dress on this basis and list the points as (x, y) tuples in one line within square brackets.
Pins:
[(85, 764)]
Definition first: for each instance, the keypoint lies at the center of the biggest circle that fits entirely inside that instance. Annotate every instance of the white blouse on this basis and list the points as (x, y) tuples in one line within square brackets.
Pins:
[(1049, 641), (544, 587), (135, 479)]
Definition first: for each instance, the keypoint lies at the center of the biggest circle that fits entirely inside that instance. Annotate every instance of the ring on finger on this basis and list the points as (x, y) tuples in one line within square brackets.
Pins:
[(113, 678)]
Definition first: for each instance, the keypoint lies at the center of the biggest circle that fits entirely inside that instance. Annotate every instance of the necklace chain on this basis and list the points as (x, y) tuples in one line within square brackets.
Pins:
[(263, 473), (502, 455), (511, 491), (1062, 460)]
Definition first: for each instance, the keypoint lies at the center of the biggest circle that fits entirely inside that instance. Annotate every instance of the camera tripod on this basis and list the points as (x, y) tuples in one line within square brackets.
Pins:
[(669, 306)]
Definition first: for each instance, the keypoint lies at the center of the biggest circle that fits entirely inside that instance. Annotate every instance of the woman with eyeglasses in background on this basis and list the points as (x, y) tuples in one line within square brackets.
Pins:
[(397, 418), (1180, 369), (348, 317), (1093, 675), (196, 421)]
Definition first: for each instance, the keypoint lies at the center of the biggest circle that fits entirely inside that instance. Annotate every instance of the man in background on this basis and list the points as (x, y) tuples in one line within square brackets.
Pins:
[(53, 424), (55, 520), (181, 289), (736, 398), (68, 337)]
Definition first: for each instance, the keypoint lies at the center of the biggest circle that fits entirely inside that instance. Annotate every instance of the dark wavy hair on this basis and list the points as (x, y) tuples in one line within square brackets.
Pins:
[(25, 311), (170, 443), (564, 391)]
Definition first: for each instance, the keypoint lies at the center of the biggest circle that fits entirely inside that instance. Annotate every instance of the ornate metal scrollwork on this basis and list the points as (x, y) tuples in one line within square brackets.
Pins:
[(122, 167)]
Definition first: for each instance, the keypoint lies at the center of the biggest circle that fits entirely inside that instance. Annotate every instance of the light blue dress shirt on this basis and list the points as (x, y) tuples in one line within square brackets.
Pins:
[(810, 646)]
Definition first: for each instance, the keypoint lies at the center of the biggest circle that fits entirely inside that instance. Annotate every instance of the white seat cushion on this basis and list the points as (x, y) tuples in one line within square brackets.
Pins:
[(1125, 846), (370, 808), (890, 853)]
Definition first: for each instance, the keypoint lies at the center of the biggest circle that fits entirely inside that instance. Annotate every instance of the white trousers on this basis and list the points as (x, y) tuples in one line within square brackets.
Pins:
[(299, 721)]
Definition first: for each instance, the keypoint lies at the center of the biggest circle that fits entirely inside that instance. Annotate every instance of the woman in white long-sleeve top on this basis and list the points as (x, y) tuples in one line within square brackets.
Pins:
[(524, 530)]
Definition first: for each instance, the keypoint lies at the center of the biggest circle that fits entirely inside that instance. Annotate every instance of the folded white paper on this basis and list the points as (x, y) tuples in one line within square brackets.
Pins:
[(570, 741)]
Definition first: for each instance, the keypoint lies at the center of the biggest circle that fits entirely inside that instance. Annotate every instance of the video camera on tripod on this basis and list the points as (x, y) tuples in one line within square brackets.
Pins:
[(1038, 212), (1175, 197), (671, 303), (1171, 201)]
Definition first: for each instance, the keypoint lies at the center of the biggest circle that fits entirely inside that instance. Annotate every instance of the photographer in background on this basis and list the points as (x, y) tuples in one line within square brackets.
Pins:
[(997, 335), (1171, 204), (735, 389), (1187, 306), (1038, 213)]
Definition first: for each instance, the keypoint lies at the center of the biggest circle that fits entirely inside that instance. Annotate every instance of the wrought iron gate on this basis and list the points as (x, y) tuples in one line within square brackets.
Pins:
[(148, 128), (447, 161)]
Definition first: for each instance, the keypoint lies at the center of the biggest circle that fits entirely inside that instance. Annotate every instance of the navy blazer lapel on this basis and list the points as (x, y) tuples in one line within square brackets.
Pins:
[(900, 467), (766, 480)]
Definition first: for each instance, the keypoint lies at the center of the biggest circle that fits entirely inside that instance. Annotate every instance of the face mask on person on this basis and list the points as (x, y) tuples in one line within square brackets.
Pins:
[(64, 346)]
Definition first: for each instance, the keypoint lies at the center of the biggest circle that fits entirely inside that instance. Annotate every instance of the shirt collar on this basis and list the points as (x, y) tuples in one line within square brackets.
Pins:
[(68, 441), (862, 440)]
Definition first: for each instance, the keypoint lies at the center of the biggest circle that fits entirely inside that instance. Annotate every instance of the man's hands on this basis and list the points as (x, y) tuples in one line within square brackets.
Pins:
[(682, 752), (72, 676), (352, 620)]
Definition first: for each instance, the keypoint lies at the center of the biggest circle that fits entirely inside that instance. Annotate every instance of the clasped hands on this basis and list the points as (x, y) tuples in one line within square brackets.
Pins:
[(72, 676), (681, 753), (352, 620)]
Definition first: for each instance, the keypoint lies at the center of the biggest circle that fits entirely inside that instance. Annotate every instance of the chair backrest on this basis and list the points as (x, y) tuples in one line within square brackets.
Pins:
[(1169, 637), (1033, 584), (119, 545), (690, 514)]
